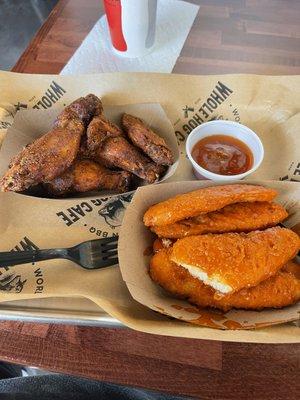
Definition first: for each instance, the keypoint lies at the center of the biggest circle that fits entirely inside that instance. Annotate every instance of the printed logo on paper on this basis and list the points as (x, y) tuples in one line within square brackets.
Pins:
[(14, 282), (114, 209), (293, 174), (193, 115), (110, 210)]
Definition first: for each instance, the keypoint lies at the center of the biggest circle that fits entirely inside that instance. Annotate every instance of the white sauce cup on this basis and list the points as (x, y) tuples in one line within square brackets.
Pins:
[(228, 128)]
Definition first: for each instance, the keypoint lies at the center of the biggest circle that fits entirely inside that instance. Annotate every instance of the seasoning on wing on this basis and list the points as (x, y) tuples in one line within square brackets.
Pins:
[(232, 261), (204, 200), (118, 152), (99, 129), (238, 217), (85, 108), (86, 175), (51, 154), (278, 291), (148, 141)]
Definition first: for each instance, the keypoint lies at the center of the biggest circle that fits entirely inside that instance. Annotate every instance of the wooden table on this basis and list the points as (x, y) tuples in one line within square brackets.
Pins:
[(228, 36), (249, 36)]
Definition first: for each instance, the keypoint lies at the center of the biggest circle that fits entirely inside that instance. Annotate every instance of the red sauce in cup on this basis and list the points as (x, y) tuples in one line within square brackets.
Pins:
[(223, 155)]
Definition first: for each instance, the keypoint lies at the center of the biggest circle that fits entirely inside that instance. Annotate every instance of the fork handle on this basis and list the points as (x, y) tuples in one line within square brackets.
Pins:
[(10, 258)]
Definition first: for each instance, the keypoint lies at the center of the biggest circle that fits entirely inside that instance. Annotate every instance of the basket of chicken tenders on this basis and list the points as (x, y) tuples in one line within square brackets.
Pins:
[(220, 256)]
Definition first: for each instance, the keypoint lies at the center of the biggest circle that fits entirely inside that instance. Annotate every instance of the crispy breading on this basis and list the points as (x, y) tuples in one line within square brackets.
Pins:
[(86, 175), (232, 261), (204, 200), (293, 267), (147, 140), (238, 217), (278, 291)]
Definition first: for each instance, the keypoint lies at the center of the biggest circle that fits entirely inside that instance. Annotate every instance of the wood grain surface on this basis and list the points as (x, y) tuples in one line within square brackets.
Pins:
[(198, 368), (228, 36)]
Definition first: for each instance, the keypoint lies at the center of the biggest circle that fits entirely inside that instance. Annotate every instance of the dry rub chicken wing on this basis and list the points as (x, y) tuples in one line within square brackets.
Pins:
[(238, 217), (148, 141), (44, 159), (84, 108), (204, 200), (232, 261), (51, 154), (278, 291), (99, 129), (85, 176), (118, 152)]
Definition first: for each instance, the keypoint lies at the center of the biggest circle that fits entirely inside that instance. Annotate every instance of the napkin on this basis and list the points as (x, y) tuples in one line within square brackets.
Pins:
[(174, 21)]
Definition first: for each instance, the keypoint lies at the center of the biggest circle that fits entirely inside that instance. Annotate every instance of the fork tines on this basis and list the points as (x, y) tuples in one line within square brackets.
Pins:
[(106, 250)]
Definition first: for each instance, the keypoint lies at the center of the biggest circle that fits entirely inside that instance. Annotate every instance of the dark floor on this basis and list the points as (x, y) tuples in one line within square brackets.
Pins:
[(19, 21)]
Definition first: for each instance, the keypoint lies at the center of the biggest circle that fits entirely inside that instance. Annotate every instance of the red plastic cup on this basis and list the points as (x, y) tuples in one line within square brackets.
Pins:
[(131, 25)]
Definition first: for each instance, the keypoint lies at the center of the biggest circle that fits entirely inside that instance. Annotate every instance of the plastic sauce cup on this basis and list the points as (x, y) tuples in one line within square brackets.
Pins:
[(228, 128)]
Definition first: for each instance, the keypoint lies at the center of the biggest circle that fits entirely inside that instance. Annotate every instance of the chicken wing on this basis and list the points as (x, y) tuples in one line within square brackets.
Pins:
[(51, 154), (118, 152), (86, 175), (238, 217), (278, 291), (232, 261), (204, 200), (99, 129), (44, 159), (83, 108), (148, 141)]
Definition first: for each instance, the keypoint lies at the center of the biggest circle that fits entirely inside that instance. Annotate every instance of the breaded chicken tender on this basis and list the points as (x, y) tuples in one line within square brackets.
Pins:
[(239, 217), (232, 261), (204, 200), (278, 291)]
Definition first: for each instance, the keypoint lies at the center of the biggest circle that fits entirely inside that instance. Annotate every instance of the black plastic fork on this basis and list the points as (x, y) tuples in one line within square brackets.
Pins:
[(93, 254)]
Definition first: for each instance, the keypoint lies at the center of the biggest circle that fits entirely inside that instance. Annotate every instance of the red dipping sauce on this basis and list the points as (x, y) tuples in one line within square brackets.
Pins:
[(223, 155)]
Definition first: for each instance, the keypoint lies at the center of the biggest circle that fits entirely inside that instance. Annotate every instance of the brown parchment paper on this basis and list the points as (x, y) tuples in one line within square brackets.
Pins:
[(269, 105)]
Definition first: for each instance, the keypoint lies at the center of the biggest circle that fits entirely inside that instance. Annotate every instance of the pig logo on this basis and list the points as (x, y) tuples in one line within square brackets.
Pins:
[(11, 283), (114, 209)]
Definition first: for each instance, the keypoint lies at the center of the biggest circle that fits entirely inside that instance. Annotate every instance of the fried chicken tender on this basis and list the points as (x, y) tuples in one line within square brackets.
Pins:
[(232, 261), (281, 290), (118, 152), (99, 129), (292, 267), (238, 217), (51, 154), (86, 175), (204, 200), (148, 141)]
